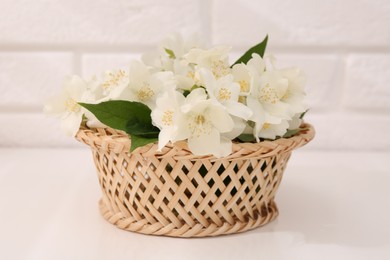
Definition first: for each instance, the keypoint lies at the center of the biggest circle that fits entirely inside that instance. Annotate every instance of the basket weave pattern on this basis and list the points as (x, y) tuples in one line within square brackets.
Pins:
[(175, 193)]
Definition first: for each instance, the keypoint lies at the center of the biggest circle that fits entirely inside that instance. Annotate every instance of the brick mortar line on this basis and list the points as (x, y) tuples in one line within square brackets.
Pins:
[(36, 109), (137, 48), (352, 112), (77, 48), (327, 50)]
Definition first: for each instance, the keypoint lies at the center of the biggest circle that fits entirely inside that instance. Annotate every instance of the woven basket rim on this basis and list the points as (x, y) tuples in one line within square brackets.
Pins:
[(117, 141)]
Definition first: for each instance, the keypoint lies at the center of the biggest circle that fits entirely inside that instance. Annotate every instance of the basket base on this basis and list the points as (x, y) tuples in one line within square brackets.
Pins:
[(142, 226)]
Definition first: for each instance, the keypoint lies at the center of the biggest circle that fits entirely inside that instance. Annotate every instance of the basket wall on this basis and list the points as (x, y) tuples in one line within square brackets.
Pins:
[(174, 193)]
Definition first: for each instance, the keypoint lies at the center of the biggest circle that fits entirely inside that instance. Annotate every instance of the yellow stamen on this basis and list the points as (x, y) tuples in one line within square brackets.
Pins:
[(266, 126), (199, 126), (167, 118), (199, 119), (244, 85), (71, 105), (224, 94), (219, 68), (268, 95), (145, 93), (242, 99), (113, 79)]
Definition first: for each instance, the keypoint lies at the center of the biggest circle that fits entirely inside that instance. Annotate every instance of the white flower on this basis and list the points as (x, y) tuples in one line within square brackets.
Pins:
[(158, 60), (113, 85), (166, 115), (260, 117), (66, 104), (271, 131), (186, 75), (215, 59), (275, 97), (187, 70), (203, 123), (226, 92), (295, 93), (145, 86), (170, 50), (242, 76), (239, 127), (256, 64), (180, 45), (93, 95), (269, 89), (264, 100)]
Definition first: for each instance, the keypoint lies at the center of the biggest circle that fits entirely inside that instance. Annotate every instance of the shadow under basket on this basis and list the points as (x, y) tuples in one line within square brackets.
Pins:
[(174, 193)]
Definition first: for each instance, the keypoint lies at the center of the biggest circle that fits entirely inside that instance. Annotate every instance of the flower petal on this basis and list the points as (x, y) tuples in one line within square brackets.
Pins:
[(225, 148), (165, 135), (220, 119), (138, 72), (75, 87), (274, 130), (256, 64), (258, 115), (92, 121), (238, 109), (183, 131), (205, 144), (239, 127), (71, 124)]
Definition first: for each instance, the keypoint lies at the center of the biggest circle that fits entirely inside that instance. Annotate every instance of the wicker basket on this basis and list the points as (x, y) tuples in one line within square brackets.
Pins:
[(174, 193)]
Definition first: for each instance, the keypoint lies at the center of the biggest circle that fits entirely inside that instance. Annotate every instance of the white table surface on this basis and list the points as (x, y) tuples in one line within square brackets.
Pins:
[(333, 205)]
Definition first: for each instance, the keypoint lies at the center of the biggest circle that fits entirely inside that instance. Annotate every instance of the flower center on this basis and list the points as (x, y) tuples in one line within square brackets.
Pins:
[(199, 119), (242, 99), (113, 79), (266, 126), (268, 95), (199, 126), (219, 68), (167, 118), (71, 105), (145, 93), (244, 86), (224, 94)]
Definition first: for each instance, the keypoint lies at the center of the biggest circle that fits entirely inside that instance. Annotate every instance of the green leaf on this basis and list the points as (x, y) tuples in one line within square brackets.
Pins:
[(138, 141), (246, 138), (195, 87), (187, 92), (303, 114), (140, 128), (290, 133), (259, 49), (170, 53), (132, 117)]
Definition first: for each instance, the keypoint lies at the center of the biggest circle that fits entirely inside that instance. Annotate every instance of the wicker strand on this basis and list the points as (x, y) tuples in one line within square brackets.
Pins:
[(198, 230), (107, 139)]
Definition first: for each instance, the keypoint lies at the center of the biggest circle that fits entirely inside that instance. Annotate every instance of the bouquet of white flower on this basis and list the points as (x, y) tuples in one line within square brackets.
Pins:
[(184, 91)]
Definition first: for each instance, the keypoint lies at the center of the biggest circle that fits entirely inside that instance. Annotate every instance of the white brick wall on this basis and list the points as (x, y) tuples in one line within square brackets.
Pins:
[(344, 47)]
